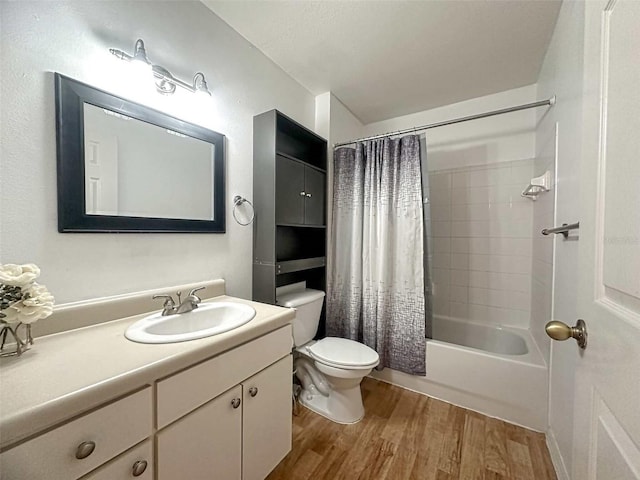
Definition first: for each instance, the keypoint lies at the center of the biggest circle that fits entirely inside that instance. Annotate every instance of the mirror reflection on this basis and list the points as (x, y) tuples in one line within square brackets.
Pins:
[(137, 169)]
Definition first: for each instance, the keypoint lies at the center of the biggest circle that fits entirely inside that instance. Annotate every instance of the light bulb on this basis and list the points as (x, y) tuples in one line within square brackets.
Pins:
[(140, 63), (203, 94)]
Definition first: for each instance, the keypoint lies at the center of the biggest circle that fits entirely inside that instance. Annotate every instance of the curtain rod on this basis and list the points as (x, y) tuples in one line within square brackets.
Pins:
[(551, 101)]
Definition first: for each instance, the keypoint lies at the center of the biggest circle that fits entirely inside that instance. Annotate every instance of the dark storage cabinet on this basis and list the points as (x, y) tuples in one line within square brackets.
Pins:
[(289, 192), (300, 196)]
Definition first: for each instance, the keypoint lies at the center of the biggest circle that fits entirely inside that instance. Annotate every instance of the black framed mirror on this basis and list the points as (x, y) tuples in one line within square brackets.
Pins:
[(124, 167)]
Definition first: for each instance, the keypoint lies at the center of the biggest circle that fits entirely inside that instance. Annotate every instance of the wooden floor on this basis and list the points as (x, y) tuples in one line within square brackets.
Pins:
[(405, 435)]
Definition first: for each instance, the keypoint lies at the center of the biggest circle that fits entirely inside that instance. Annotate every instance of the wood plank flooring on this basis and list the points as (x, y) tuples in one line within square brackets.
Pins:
[(408, 436)]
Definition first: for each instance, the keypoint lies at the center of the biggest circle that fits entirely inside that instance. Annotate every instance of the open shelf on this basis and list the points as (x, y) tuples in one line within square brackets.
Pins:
[(298, 142), (293, 243)]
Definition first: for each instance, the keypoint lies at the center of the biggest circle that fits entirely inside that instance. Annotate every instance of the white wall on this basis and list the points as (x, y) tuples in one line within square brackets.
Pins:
[(337, 124), (502, 138), (561, 74), (72, 37), (542, 246)]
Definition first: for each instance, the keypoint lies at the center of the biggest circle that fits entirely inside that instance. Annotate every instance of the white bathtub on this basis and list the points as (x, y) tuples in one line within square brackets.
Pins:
[(497, 371)]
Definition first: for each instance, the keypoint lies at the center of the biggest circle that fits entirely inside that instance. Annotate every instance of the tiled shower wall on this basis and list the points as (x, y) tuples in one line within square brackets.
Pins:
[(480, 242)]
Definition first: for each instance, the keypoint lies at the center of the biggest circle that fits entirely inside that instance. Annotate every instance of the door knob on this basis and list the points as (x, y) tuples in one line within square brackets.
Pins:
[(561, 331)]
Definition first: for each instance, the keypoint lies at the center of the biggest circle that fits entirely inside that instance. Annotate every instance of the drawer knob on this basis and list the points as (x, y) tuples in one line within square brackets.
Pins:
[(309, 195), (235, 403), (139, 467), (85, 449), (253, 391), (302, 194)]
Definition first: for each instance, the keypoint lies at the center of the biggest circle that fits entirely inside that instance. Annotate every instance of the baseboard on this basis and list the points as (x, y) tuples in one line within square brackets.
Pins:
[(556, 456)]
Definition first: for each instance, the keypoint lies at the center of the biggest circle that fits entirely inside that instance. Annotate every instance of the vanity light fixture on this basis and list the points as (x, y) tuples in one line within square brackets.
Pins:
[(165, 82)]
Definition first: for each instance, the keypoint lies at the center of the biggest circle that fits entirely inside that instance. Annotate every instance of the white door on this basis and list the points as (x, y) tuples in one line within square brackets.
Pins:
[(100, 168), (607, 402)]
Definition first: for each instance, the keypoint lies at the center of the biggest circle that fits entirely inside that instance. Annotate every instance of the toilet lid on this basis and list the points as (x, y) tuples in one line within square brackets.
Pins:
[(343, 352)]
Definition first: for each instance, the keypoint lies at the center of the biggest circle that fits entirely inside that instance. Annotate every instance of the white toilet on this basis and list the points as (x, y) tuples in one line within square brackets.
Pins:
[(331, 369)]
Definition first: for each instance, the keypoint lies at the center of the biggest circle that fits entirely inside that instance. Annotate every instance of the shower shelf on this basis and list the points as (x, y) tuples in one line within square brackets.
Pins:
[(537, 186), (299, 265)]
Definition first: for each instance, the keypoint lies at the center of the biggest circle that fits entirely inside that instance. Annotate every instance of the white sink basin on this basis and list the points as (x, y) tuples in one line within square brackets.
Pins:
[(206, 320)]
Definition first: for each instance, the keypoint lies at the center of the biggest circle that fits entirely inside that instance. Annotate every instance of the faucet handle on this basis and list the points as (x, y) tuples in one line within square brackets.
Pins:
[(168, 302), (193, 292)]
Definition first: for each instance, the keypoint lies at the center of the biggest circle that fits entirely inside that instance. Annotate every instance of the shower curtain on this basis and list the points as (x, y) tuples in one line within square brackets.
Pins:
[(377, 278)]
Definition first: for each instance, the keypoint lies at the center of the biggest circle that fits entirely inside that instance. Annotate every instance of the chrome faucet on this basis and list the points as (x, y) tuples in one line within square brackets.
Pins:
[(190, 303)]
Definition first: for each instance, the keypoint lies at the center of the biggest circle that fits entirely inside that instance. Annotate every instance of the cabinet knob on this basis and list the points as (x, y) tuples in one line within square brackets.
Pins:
[(85, 449), (309, 195), (139, 467), (302, 194), (253, 391), (235, 403)]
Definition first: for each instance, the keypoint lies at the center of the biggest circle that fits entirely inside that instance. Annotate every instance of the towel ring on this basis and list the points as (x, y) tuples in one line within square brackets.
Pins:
[(237, 201)]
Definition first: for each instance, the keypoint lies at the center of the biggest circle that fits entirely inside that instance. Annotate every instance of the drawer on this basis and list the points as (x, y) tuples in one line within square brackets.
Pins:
[(52, 455), (187, 390), (122, 467)]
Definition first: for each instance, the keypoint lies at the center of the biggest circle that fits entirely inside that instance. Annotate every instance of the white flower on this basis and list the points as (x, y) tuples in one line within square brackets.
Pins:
[(11, 315), (37, 304), (18, 275)]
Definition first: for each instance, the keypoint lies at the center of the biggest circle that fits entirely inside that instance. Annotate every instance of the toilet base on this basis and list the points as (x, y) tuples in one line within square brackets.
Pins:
[(341, 406)]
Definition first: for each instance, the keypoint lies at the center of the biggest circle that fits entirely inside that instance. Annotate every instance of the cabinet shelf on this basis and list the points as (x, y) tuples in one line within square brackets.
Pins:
[(299, 265), (299, 225)]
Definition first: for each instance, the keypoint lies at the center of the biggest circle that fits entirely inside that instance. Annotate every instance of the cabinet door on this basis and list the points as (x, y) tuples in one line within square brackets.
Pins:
[(289, 191), (314, 196), (266, 426), (206, 444)]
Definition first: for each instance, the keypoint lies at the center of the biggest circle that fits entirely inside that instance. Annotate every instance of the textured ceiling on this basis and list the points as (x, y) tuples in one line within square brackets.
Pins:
[(384, 59)]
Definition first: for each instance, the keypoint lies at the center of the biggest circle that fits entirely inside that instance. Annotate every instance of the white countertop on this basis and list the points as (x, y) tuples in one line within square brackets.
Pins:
[(75, 371)]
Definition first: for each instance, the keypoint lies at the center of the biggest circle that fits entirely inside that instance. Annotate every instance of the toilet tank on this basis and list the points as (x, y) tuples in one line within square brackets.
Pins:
[(308, 305)]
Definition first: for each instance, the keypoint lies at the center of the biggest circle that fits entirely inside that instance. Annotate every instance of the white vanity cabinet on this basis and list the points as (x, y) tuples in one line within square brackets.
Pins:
[(241, 434), (226, 418), (233, 414)]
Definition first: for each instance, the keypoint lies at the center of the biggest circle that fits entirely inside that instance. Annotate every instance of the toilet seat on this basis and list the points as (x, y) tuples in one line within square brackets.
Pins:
[(343, 353)]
